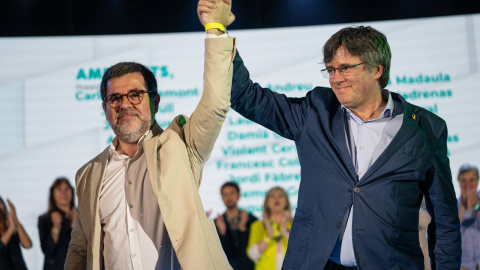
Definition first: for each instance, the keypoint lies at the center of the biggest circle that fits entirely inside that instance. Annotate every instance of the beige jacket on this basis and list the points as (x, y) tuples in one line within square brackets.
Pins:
[(175, 159)]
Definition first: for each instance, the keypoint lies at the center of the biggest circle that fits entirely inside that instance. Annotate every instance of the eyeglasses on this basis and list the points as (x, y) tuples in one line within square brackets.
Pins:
[(135, 97), (343, 69)]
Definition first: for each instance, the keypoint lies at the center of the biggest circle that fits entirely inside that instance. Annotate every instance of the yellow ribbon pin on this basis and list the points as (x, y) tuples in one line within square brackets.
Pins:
[(414, 116)]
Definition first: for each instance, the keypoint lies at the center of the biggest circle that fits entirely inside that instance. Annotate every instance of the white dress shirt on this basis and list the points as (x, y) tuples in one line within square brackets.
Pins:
[(135, 236), (366, 142)]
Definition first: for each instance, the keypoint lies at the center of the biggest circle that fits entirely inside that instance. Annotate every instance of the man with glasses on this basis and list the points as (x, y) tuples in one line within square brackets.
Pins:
[(138, 200), (367, 159)]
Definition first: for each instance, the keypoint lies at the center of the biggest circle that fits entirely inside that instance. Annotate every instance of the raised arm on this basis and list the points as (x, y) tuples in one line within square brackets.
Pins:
[(283, 115), (202, 130)]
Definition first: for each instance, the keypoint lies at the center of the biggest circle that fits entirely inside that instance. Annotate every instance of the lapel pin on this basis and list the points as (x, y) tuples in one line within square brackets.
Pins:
[(414, 116)]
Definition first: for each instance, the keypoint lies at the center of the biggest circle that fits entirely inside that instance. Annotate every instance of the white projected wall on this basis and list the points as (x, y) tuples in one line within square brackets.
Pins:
[(52, 122)]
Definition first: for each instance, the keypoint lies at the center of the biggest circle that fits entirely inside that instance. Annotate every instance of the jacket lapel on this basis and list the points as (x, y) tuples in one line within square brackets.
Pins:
[(408, 128), (150, 145), (98, 172), (339, 136)]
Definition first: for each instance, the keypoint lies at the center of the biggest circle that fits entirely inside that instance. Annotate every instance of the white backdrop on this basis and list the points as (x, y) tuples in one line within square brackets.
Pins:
[(52, 122)]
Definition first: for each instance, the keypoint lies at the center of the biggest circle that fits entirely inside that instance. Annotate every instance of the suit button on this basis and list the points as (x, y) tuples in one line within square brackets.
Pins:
[(339, 224), (131, 206), (356, 190)]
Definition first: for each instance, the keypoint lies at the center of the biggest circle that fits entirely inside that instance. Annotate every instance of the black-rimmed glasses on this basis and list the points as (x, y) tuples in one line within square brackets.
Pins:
[(343, 69), (135, 97)]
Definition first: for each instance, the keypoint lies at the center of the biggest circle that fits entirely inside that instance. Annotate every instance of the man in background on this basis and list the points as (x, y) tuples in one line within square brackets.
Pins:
[(469, 214), (234, 227)]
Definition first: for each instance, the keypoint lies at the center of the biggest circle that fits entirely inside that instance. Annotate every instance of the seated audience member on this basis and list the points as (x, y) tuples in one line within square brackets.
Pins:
[(11, 234), (234, 227), (469, 214), (55, 226), (269, 237)]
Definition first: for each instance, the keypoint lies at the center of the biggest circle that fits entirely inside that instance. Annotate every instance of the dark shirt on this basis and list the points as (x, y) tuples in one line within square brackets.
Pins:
[(55, 253), (235, 242), (11, 256)]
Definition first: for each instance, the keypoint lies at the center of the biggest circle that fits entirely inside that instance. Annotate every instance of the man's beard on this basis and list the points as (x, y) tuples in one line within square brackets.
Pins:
[(130, 130), (230, 207)]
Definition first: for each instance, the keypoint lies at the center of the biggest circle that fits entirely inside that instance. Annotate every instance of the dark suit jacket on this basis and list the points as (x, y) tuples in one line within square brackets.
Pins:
[(11, 257), (235, 242), (55, 253), (387, 199)]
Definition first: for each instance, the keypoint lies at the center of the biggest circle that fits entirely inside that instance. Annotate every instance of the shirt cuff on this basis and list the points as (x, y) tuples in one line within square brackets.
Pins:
[(215, 36), (254, 253)]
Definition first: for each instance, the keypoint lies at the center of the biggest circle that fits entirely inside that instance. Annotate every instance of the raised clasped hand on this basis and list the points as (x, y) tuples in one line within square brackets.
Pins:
[(215, 11)]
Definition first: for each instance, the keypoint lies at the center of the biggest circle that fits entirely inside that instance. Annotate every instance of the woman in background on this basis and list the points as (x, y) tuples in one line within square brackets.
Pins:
[(12, 234), (56, 225), (269, 237)]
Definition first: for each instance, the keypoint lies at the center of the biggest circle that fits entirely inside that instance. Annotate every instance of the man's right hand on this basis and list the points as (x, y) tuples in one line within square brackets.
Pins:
[(215, 11), (221, 225)]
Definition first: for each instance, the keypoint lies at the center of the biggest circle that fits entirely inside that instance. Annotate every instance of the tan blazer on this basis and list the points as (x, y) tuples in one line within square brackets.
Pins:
[(175, 159)]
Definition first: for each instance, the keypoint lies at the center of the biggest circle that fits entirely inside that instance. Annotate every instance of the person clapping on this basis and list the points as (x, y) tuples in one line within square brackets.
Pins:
[(12, 234), (55, 226), (269, 237)]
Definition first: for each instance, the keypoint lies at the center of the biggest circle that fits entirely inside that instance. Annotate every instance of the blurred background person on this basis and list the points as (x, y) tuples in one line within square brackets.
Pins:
[(12, 234), (269, 237), (234, 228), (423, 221), (469, 214), (55, 226)]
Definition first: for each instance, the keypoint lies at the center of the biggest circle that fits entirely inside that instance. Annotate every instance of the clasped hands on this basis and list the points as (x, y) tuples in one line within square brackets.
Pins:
[(215, 11)]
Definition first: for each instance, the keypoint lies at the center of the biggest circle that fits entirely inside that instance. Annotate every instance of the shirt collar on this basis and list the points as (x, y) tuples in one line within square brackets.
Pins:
[(114, 143), (386, 114)]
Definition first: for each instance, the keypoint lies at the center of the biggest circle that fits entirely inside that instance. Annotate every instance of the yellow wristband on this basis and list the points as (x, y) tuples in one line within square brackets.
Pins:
[(266, 239), (218, 26)]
